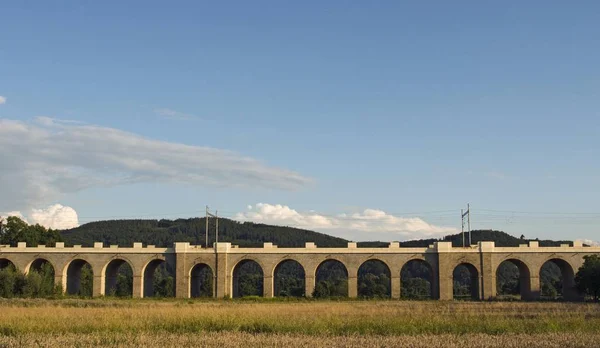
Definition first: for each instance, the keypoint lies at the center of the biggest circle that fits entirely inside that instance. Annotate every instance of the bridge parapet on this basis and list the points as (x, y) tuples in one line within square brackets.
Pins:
[(97, 247)]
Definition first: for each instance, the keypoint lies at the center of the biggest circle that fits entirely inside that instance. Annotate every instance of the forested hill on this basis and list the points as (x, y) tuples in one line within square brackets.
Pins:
[(502, 239), (247, 234), (166, 232)]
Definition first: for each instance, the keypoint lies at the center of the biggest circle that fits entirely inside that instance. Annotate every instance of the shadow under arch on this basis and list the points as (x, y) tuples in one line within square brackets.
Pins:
[(5, 263), (289, 279), (557, 280), (513, 278), (331, 279), (118, 278), (158, 279), (417, 279), (465, 282), (201, 281), (247, 279), (374, 279), (79, 278), (40, 272)]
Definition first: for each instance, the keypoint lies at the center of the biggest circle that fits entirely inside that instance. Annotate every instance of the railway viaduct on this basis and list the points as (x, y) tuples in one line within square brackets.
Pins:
[(482, 261)]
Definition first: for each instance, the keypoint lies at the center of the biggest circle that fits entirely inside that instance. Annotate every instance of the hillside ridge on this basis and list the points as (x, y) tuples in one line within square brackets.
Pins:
[(164, 233)]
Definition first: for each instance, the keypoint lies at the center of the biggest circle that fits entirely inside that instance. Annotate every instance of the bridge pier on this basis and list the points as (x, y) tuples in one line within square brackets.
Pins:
[(352, 286), (138, 286), (534, 288), (396, 287), (268, 286), (98, 285), (309, 285)]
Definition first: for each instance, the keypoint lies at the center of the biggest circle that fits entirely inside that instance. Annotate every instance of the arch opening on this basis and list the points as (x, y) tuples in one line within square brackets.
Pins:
[(118, 279), (416, 278), (247, 279), (158, 279), (331, 279), (80, 278), (513, 280), (201, 281), (5, 263), (9, 279), (465, 281), (374, 280), (40, 279), (557, 281), (289, 279)]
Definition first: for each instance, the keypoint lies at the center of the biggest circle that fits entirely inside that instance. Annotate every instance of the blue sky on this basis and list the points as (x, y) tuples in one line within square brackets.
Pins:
[(369, 120)]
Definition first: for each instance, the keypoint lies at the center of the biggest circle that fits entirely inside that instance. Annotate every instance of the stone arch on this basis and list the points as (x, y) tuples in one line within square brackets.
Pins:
[(519, 282), (289, 278), (248, 276), (111, 272), (78, 277), (564, 286), (4, 263), (37, 265), (201, 280), (46, 271), (164, 285), (465, 281), (374, 279), (331, 278), (417, 279)]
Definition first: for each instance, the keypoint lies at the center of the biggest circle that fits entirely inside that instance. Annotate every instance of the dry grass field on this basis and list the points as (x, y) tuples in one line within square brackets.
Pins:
[(105, 322)]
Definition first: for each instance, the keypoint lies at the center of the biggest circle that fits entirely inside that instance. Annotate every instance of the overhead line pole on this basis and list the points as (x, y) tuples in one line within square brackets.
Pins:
[(462, 222), (469, 222), (462, 228), (216, 216), (206, 229)]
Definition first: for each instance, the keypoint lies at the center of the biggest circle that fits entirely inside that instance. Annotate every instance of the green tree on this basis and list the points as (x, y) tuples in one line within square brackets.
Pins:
[(588, 277), (86, 281), (16, 230)]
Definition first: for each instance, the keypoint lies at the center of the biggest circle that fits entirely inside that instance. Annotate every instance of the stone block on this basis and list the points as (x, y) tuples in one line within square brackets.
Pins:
[(352, 245), (137, 245), (181, 247), (60, 245), (98, 245), (21, 245), (223, 247), (534, 244), (394, 245), (443, 246), (486, 246), (310, 245)]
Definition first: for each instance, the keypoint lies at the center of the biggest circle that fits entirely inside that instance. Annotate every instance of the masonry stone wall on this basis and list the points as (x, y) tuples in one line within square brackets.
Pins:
[(482, 260)]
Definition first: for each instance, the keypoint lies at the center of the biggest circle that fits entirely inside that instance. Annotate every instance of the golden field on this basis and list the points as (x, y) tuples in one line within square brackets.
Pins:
[(109, 322)]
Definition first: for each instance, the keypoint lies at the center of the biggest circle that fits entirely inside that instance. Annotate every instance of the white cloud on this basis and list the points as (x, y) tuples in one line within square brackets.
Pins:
[(367, 222), (12, 213), (2, 100), (48, 158), (172, 114), (55, 216)]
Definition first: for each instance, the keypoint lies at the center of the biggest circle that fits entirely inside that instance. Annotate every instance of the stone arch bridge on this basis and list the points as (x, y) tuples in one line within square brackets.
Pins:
[(482, 261)]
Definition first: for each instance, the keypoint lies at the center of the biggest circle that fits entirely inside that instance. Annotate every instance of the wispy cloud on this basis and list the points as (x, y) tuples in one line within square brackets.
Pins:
[(173, 114), (42, 160), (2, 100), (368, 222)]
